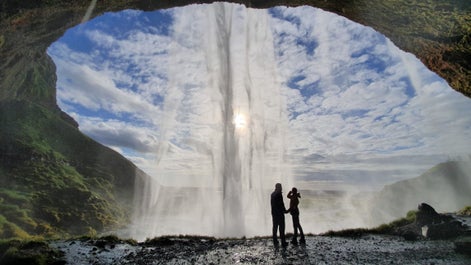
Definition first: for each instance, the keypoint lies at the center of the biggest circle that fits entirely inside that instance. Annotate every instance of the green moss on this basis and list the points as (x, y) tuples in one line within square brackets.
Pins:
[(357, 232), (14, 256), (388, 228), (27, 252), (91, 232), (11, 230), (2, 40), (13, 195), (56, 181), (465, 211)]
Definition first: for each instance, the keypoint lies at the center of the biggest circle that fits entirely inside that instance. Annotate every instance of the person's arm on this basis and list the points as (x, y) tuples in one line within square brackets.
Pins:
[(282, 204), (290, 194), (290, 206)]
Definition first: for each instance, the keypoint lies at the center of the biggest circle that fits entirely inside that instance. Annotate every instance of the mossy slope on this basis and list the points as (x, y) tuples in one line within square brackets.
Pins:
[(56, 181)]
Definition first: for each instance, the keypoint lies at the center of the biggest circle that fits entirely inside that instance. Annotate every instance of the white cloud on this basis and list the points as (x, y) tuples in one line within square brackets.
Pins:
[(91, 85), (120, 134), (363, 102)]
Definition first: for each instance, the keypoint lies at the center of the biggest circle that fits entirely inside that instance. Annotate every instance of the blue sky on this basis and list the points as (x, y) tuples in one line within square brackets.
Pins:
[(358, 110)]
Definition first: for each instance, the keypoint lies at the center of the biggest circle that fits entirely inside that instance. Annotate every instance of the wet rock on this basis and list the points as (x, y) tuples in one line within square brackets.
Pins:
[(463, 245), (160, 241), (432, 225), (427, 215), (446, 230), (100, 243), (410, 232), (410, 236), (438, 226)]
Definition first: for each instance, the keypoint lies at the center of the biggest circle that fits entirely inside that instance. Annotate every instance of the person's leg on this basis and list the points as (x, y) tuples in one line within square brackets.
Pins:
[(275, 230), (301, 233), (296, 224), (302, 240), (295, 228), (282, 232)]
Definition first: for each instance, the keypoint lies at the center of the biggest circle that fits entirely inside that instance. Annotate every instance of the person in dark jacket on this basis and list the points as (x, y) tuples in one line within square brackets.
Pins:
[(294, 196), (278, 211)]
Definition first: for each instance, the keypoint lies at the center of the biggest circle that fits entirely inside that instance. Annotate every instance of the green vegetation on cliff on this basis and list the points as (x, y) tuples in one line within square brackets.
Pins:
[(465, 211), (28, 253), (56, 181)]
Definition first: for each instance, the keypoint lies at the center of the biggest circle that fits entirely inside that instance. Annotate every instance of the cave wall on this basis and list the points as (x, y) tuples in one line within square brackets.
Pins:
[(438, 32)]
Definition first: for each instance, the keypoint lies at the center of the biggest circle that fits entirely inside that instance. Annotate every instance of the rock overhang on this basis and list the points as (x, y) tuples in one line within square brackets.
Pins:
[(437, 32)]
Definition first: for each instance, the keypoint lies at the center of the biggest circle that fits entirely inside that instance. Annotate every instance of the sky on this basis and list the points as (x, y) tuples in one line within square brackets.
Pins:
[(359, 111)]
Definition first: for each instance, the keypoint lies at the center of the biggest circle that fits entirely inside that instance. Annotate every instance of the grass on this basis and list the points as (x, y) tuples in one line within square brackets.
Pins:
[(382, 229), (465, 211)]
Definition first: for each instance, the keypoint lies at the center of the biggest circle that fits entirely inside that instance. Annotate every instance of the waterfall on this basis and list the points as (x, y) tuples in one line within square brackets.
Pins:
[(232, 120)]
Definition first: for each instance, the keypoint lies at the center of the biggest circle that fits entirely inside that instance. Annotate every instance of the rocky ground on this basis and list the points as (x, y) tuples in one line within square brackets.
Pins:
[(367, 249), (428, 238)]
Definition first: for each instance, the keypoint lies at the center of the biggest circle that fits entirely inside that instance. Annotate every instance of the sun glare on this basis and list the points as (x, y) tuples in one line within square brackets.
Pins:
[(240, 121)]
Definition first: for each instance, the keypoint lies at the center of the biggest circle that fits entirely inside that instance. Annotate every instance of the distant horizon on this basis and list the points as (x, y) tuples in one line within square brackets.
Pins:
[(336, 186), (361, 113)]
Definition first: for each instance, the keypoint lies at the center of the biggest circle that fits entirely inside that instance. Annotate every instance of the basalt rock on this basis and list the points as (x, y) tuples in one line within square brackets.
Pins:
[(445, 230), (428, 216), (432, 225), (438, 32), (463, 245)]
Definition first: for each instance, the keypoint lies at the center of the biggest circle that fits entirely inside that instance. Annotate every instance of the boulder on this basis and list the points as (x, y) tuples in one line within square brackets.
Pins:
[(427, 215), (438, 226), (445, 230), (432, 225)]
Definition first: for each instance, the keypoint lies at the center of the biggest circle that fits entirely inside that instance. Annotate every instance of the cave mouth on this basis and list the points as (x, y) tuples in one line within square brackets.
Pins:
[(359, 112)]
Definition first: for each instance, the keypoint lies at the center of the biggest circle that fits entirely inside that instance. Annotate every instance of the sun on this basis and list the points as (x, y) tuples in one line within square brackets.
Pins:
[(239, 121)]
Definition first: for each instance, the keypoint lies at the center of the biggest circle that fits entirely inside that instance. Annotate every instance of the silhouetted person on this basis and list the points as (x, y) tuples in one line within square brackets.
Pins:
[(294, 196), (278, 211)]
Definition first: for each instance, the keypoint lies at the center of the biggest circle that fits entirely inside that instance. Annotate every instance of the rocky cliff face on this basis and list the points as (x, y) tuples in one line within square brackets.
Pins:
[(437, 31), (56, 180)]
